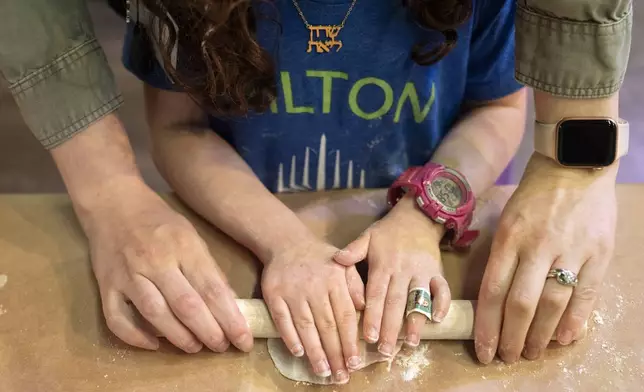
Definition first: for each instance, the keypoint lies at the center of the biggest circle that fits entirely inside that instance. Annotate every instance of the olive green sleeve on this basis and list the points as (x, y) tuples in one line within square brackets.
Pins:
[(55, 67), (573, 48)]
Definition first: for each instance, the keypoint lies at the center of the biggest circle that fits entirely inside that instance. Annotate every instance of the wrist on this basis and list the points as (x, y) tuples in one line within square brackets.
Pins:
[(282, 237), (551, 109), (549, 170), (409, 213), (279, 249), (96, 163), (116, 197)]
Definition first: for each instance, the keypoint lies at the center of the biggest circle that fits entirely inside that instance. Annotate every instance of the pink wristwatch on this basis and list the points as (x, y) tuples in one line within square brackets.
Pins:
[(443, 195)]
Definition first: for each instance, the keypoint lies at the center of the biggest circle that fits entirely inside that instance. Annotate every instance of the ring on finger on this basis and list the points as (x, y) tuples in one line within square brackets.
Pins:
[(419, 300), (563, 276)]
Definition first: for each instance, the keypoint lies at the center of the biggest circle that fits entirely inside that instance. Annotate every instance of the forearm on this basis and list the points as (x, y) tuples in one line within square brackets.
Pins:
[(215, 181), (97, 165), (482, 144)]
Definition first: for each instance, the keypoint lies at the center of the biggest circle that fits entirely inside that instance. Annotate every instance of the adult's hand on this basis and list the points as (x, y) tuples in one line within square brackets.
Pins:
[(557, 218), (144, 252)]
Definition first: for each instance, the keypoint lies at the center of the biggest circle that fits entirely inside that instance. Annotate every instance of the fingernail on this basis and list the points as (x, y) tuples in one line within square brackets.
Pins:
[(438, 317), (223, 346), (372, 335), (412, 340), (341, 377), (323, 369), (484, 353), (353, 363), (150, 344), (565, 337), (385, 348), (341, 253), (297, 350), (531, 353), (507, 356), (243, 340), (193, 347)]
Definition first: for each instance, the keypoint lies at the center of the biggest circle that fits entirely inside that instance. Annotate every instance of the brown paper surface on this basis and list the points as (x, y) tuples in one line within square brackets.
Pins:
[(53, 337)]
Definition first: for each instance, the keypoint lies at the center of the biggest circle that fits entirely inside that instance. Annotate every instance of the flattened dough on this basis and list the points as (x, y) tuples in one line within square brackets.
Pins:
[(299, 369)]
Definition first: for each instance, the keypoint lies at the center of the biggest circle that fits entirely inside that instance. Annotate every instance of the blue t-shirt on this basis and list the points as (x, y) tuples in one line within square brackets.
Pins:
[(360, 116)]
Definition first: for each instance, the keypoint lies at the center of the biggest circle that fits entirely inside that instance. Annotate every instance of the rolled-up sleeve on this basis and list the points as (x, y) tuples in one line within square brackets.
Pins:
[(55, 67), (573, 48)]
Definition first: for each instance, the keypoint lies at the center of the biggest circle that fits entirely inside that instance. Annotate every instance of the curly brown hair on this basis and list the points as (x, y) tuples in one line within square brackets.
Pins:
[(225, 69)]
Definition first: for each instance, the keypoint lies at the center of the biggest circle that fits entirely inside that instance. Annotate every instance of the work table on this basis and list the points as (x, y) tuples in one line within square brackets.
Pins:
[(53, 336)]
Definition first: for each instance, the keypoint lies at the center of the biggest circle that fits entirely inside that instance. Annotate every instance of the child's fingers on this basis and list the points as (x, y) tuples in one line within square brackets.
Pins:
[(393, 313), (415, 321), (284, 323), (355, 252), (441, 298), (356, 288)]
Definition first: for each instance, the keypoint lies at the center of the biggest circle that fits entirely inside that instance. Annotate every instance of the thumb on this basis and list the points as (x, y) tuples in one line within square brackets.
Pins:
[(355, 252)]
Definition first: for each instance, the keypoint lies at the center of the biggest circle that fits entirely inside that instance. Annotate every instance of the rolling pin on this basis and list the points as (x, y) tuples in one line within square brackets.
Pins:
[(458, 324)]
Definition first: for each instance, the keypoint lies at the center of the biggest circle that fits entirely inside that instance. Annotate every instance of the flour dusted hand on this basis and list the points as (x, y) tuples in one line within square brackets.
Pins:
[(403, 253), (310, 301)]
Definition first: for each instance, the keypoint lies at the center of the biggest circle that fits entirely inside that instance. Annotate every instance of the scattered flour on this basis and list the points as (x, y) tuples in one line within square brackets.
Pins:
[(412, 365), (2, 310), (3, 280), (597, 318)]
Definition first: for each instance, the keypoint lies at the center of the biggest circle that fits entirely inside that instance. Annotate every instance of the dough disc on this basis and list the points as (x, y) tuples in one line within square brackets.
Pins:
[(299, 369)]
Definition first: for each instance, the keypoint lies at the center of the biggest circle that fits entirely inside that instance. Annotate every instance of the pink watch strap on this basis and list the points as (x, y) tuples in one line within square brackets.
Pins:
[(463, 242), (456, 238), (407, 181)]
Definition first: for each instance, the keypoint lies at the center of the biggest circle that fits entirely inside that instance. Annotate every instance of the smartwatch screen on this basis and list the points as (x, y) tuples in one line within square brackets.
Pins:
[(588, 142)]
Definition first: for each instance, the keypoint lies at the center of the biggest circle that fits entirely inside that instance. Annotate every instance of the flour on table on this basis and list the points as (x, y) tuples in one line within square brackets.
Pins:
[(413, 364), (3, 280), (299, 369), (597, 318), (2, 310)]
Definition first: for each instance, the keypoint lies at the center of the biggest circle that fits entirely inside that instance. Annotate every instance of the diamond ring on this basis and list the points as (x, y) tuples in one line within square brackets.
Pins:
[(564, 277)]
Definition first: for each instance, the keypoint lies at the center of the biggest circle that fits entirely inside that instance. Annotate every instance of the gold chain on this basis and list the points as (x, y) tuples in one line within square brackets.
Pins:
[(306, 22)]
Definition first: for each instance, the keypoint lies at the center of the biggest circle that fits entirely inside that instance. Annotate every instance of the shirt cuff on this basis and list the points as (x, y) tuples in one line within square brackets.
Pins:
[(569, 58), (67, 95)]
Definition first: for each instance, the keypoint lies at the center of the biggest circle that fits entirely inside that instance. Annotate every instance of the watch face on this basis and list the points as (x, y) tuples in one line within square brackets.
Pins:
[(447, 191), (587, 142)]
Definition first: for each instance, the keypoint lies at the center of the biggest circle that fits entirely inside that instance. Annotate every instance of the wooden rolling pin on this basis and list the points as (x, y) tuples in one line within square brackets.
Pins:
[(457, 325)]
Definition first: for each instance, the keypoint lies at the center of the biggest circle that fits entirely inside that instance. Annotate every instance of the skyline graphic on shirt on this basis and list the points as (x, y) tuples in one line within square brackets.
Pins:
[(305, 184)]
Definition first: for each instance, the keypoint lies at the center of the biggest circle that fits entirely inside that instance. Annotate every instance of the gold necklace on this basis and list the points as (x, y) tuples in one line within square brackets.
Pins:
[(323, 38)]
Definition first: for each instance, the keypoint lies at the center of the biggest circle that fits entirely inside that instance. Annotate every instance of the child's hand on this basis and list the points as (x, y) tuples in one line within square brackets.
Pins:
[(310, 299), (403, 252)]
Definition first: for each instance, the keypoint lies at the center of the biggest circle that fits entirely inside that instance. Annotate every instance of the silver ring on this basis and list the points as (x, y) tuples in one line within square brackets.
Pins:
[(563, 276), (419, 300)]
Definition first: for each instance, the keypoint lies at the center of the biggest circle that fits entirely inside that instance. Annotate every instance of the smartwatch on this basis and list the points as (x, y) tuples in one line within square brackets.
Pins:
[(583, 142)]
